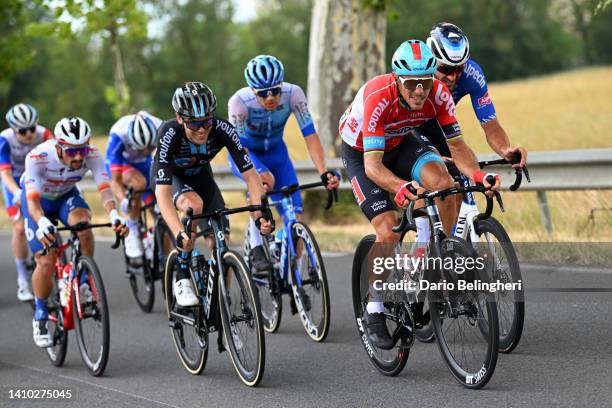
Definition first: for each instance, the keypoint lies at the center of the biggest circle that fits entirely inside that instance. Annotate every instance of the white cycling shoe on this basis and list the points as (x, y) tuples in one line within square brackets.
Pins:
[(42, 336), (24, 293), (184, 294), (133, 246)]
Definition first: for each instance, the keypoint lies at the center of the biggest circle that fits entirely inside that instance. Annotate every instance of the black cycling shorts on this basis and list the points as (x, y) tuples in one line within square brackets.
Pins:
[(206, 188), (405, 161)]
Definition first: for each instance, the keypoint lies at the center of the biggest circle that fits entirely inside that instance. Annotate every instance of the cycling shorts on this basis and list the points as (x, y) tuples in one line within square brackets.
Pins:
[(405, 161), (59, 208), (143, 168)]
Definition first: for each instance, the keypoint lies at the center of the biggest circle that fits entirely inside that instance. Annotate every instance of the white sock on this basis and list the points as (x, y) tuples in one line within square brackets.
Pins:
[(254, 234), (375, 307), (423, 231), (22, 273), (133, 225)]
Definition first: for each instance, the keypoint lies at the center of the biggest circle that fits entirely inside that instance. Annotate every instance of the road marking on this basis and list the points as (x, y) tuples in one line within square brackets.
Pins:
[(129, 394)]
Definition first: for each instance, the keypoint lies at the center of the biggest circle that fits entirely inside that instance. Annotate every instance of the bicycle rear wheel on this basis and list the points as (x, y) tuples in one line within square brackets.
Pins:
[(310, 292), (93, 328), (388, 362), (189, 334), (140, 275), (164, 244), (502, 265), (57, 352), (469, 338), (241, 319), (268, 289)]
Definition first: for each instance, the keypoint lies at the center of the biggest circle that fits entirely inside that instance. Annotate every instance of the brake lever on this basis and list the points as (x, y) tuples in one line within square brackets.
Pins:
[(518, 179), (499, 201), (526, 174), (118, 241)]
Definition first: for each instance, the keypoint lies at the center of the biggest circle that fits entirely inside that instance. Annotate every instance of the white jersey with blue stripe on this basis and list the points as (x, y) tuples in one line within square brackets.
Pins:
[(261, 130)]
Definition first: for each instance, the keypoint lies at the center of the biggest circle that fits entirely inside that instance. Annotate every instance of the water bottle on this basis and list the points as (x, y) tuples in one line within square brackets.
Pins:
[(64, 286)]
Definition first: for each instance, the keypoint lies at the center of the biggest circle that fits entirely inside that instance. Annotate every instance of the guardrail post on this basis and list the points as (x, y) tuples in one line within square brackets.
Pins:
[(545, 212)]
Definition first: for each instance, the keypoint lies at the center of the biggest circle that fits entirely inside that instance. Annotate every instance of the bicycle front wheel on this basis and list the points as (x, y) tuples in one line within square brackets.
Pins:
[(503, 265), (241, 319), (57, 352), (92, 327), (309, 284), (465, 321), (190, 337)]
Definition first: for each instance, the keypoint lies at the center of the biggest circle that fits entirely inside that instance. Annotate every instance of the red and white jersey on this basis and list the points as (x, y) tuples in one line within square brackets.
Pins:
[(48, 177), (376, 121), (13, 152)]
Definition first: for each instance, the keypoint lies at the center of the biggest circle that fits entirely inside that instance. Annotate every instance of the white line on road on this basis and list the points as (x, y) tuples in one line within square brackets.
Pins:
[(129, 394)]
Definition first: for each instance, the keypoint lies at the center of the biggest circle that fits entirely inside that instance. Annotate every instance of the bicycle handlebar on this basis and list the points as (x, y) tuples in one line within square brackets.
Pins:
[(517, 171), (332, 195), (82, 226)]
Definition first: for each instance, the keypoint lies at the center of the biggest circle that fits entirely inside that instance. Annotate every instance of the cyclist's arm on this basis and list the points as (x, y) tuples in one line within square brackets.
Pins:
[(34, 169), (464, 158), (114, 156), (95, 163), (500, 143), (315, 150), (255, 188), (163, 195), (238, 115), (6, 167), (299, 107), (6, 175)]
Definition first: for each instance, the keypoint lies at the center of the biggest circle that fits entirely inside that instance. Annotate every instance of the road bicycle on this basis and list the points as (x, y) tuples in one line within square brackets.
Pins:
[(69, 308), (298, 270), (157, 242), (494, 245), (465, 322), (227, 304)]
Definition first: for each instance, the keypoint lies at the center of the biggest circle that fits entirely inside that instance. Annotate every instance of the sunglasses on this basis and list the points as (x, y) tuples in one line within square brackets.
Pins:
[(264, 93), (26, 130), (74, 151), (450, 70), (197, 124), (411, 84)]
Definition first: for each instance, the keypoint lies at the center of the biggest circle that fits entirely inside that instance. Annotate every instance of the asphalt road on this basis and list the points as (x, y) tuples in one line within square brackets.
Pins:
[(564, 358)]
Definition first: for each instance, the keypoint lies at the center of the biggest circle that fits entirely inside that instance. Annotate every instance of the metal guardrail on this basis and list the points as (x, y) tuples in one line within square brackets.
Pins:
[(586, 169)]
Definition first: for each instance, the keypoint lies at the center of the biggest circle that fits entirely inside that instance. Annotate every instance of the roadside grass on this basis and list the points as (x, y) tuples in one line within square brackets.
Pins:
[(558, 112)]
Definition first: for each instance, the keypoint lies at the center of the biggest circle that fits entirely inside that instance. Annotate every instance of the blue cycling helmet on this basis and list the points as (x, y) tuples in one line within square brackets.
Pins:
[(413, 58), (264, 71), (449, 45)]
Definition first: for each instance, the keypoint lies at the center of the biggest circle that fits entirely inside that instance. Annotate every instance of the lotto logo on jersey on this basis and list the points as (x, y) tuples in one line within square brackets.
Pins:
[(443, 98), (485, 100), (353, 125)]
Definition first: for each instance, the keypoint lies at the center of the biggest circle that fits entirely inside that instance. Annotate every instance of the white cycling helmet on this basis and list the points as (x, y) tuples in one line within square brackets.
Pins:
[(72, 130), (141, 132), (22, 116), (449, 44)]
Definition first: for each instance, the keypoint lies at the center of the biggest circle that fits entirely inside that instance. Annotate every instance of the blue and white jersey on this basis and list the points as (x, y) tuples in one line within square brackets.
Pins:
[(261, 130), (118, 151), (472, 81)]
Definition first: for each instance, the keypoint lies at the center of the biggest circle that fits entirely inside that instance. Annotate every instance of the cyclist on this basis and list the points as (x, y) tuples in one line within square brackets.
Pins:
[(52, 171), (183, 175), (382, 154), (260, 112), (24, 134), (128, 160), (463, 76)]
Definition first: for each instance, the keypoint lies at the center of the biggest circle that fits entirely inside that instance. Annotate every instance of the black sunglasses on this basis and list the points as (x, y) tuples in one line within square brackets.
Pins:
[(449, 70), (264, 93), (197, 124), (26, 130)]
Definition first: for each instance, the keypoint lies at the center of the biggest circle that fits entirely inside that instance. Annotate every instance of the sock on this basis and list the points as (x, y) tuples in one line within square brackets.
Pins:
[(423, 231), (22, 274), (254, 235), (41, 309), (375, 307)]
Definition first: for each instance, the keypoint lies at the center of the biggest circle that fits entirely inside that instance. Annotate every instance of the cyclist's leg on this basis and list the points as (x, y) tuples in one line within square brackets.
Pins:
[(42, 278), (18, 241), (74, 209)]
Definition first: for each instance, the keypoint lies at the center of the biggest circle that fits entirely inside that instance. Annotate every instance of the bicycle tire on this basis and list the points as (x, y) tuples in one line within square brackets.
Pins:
[(478, 376), (269, 292), (398, 357), (510, 333), (57, 352), (250, 315), (196, 364), (95, 366), (142, 279), (159, 255), (315, 281)]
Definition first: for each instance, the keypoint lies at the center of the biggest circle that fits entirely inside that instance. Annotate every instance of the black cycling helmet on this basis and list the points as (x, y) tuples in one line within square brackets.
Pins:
[(194, 100)]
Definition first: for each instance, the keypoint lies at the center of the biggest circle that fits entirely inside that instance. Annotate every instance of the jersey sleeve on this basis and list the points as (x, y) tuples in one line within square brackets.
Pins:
[(238, 115), (114, 153), (481, 102), (33, 176), (376, 107), (5, 154), (231, 141), (445, 111), (96, 164), (299, 107), (47, 135), (167, 143)]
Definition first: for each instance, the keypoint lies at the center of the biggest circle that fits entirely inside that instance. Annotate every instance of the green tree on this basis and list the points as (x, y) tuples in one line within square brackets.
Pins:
[(15, 45)]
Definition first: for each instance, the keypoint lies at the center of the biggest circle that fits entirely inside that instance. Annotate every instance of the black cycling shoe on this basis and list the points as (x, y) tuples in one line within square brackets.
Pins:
[(377, 330), (260, 262), (421, 319)]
